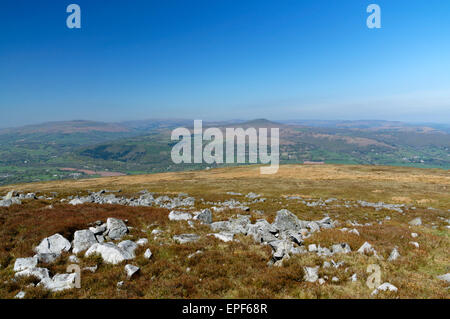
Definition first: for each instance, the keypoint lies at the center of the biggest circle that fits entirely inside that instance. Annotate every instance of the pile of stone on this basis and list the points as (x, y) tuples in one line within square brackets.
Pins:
[(96, 240), (15, 198), (146, 199)]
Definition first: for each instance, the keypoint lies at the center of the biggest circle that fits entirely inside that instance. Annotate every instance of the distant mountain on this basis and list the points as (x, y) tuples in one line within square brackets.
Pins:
[(372, 125), (67, 127)]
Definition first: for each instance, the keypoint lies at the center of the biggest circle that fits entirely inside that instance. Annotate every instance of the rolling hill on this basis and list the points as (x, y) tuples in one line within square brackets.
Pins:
[(37, 152)]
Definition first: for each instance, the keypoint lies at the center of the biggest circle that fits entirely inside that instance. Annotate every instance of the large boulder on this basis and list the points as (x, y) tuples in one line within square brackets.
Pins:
[(55, 244), (116, 228), (109, 252), (83, 240)]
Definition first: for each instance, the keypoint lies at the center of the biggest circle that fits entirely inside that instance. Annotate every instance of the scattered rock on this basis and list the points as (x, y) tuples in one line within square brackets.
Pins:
[(343, 248), (91, 269), (148, 253), (394, 254), (445, 277), (142, 242), (311, 274), (157, 231), (176, 215), (109, 252), (416, 222), (385, 287), (198, 252), (367, 248), (224, 236), (76, 201), (186, 238), (20, 295), (131, 270), (414, 243)]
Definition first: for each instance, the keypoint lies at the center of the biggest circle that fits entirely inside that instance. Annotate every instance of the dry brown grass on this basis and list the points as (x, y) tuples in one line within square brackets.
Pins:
[(239, 269)]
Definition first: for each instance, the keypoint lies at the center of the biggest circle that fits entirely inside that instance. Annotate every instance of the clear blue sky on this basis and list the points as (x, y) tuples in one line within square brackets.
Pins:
[(224, 59)]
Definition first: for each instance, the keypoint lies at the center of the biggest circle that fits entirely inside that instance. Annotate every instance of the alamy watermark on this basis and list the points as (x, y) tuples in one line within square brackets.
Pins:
[(235, 145), (374, 280), (73, 21), (75, 269), (374, 19)]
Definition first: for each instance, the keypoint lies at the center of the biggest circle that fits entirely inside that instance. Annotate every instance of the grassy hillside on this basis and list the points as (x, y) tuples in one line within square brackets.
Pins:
[(239, 269)]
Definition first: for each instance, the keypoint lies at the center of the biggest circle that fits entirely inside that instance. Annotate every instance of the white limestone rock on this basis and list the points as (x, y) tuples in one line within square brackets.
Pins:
[(59, 282), (83, 240), (385, 287), (148, 254), (55, 244), (116, 228), (186, 238), (25, 263), (311, 274), (177, 215), (131, 270), (109, 252)]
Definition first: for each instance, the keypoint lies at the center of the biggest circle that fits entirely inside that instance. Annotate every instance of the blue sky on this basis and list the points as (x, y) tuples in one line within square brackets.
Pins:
[(224, 59)]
